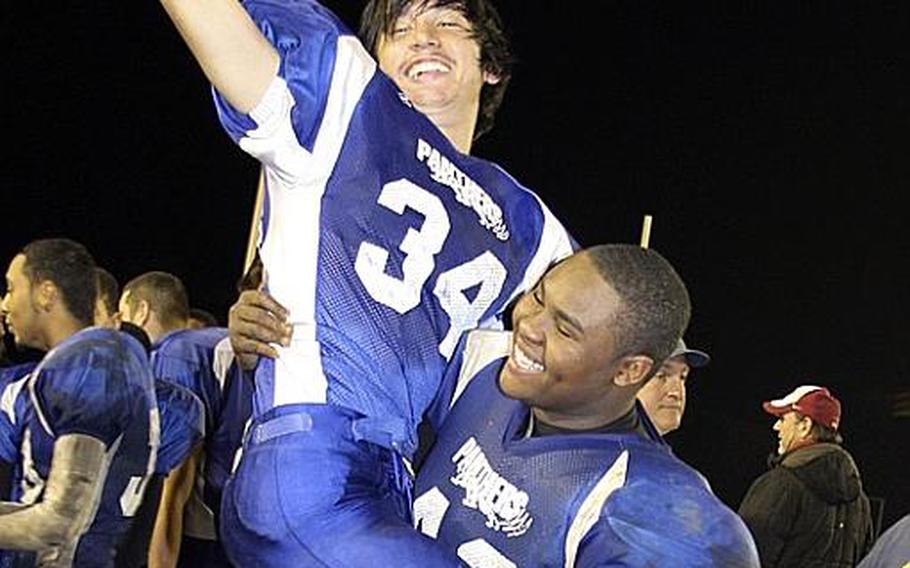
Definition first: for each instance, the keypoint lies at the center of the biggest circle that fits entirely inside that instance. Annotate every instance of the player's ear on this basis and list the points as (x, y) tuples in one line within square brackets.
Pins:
[(491, 78), (45, 295), (633, 370), (142, 313)]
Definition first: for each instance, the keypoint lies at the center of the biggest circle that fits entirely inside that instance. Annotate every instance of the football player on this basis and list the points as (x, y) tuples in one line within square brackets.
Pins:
[(384, 240)]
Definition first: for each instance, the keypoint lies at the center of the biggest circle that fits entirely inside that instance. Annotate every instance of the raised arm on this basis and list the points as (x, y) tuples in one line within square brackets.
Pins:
[(234, 55)]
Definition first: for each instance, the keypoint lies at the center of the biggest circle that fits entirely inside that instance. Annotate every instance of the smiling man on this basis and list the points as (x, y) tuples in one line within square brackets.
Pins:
[(384, 240), (545, 459)]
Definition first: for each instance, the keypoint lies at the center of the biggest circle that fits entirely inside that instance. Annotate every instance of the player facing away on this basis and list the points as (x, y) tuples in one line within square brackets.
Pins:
[(384, 241), (90, 430), (546, 459), (198, 360)]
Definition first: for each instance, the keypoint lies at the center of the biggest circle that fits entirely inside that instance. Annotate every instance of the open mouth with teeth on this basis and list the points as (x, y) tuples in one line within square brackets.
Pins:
[(525, 362), (423, 69)]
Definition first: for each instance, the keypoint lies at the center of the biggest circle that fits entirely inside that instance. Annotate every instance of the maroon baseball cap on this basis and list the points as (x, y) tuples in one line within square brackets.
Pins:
[(809, 400)]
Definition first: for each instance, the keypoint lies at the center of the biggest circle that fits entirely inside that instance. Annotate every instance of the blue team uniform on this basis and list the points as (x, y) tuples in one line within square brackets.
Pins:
[(13, 401), (501, 498), (385, 243), (181, 416), (95, 383), (202, 362), (182, 425)]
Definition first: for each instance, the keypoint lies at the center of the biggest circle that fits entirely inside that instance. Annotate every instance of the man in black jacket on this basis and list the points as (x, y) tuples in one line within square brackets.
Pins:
[(810, 508)]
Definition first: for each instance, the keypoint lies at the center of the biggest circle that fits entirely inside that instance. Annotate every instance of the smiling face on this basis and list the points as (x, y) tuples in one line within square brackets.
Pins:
[(664, 396), (432, 55), (563, 360)]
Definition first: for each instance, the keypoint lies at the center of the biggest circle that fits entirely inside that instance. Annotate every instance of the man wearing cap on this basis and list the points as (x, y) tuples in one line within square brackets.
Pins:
[(664, 396), (810, 508)]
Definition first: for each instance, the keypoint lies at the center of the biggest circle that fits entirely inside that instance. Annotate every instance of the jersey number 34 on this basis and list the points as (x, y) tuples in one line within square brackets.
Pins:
[(420, 248)]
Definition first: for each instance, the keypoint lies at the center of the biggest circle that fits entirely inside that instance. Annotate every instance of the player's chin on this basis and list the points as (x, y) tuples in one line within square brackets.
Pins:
[(518, 384)]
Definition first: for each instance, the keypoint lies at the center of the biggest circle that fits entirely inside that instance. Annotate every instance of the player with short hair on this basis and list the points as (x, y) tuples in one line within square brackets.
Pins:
[(546, 459), (90, 431), (157, 302), (199, 360), (385, 241)]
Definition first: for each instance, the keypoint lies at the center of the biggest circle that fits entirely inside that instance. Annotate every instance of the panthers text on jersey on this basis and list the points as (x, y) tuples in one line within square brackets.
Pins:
[(500, 498)]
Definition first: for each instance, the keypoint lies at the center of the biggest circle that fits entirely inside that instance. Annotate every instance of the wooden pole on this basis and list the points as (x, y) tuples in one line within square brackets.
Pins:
[(253, 238), (646, 232)]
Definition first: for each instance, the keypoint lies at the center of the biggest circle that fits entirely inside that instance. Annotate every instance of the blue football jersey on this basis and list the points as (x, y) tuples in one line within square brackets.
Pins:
[(225, 440), (187, 358), (201, 360), (182, 424), (95, 383), (498, 497), (382, 239), (13, 402)]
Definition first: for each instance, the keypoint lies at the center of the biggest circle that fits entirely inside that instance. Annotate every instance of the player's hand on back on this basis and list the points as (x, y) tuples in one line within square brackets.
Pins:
[(255, 322)]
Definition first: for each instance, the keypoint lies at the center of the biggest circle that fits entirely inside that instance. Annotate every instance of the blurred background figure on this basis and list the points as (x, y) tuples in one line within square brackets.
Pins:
[(200, 319), (892, 549), (810, 508), (106, 314), (664, 396)]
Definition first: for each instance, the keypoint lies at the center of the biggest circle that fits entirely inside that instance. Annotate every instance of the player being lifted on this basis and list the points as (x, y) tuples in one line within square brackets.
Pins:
[(383, 239)]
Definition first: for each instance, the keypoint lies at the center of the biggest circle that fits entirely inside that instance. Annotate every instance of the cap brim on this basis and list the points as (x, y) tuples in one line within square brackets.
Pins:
[(776, 410), (695, 358)]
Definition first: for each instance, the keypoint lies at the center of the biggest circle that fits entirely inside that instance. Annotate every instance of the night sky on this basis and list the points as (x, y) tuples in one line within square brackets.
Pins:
[(769, 142)]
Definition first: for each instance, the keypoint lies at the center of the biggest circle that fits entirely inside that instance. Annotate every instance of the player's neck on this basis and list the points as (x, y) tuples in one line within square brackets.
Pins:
[(61, 329), (606, 414), (456, 128), (156, 330)]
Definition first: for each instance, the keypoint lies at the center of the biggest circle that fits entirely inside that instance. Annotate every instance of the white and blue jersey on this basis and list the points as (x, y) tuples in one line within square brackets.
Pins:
[(187, 358), (13, 402), (182, 424), (96, 383), (498, 497), (381, 238), (201, 361)]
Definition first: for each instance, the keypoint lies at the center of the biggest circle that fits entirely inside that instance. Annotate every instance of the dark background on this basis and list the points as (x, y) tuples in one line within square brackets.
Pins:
[(768, 140)]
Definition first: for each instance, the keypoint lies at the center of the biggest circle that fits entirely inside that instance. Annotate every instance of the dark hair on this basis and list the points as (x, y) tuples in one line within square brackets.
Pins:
[(206, 318), (108, 289), (379, 17), (165, 294), (655, 307), (70, 267)]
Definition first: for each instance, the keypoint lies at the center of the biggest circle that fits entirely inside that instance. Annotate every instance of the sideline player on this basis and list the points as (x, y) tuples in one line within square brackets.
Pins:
[(383, 239), (198, 360), (91, 425), (546, 459)]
